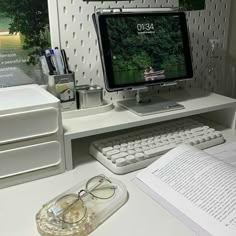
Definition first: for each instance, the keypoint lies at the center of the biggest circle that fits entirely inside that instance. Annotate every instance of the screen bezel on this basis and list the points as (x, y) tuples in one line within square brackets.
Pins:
[(107, 60)]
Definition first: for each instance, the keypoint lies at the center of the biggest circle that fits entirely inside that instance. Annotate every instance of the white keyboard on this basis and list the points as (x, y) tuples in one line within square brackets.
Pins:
[(135, 150)]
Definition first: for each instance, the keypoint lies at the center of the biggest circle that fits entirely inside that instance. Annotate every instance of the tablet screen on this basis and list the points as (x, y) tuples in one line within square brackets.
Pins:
[(144, 48)]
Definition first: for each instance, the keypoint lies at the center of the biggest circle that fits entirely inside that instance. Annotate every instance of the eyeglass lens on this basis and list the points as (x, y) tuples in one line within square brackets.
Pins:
[(100, 187), (73, 209)]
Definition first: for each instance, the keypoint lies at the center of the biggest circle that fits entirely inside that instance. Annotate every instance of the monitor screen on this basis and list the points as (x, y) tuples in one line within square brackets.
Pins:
[(140, 49)]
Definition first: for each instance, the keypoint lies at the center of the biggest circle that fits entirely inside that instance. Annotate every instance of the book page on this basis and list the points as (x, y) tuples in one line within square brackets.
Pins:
[(197, 188), (226, 152)]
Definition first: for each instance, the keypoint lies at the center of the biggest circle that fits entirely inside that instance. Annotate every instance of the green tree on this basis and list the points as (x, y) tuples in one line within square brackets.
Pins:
[(30, 18)]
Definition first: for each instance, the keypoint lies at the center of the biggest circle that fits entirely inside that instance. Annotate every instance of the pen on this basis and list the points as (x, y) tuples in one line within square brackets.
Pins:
[(54, 60), (59, 61), (66, 66), (51, 67)]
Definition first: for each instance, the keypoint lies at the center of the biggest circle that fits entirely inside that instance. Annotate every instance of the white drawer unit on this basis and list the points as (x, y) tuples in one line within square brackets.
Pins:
[(24, 159), (31, 135), (28, 124)]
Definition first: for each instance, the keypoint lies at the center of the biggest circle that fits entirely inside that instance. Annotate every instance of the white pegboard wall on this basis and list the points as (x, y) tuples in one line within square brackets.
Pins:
[(79, 39)]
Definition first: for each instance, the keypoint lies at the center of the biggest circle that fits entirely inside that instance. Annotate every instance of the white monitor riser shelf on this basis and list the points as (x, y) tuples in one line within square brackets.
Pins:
[(214, 107)]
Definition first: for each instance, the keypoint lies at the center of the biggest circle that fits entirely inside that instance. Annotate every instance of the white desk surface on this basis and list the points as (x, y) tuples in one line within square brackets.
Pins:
[(138, 217)]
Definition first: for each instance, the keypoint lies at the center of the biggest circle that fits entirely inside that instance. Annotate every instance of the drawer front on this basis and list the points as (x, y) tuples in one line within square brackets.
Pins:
[(27, 125), (29, 158)]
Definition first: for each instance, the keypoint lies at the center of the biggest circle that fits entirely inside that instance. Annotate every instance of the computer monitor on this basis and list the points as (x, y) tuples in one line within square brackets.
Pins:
[(143, 48)]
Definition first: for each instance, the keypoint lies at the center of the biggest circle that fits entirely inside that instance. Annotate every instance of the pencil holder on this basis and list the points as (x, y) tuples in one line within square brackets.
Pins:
[(63, 87)]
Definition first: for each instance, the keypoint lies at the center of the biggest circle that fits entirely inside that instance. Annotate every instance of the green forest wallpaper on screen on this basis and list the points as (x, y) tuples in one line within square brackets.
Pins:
[(146, 48)]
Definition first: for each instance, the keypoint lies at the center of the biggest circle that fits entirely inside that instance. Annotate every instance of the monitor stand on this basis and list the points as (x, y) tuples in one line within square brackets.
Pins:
[(143, 104)]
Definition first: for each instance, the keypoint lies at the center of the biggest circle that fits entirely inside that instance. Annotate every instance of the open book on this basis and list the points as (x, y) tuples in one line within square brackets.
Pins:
[(196, 187)]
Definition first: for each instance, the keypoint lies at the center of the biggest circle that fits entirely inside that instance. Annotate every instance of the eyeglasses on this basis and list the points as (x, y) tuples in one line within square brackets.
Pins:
[(71, 208)]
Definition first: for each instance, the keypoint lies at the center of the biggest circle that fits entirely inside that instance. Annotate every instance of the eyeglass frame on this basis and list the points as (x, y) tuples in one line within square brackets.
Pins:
[(82, 193)]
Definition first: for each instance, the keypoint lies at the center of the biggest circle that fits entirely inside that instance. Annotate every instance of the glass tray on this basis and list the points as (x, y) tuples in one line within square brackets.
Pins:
[(82, 208)]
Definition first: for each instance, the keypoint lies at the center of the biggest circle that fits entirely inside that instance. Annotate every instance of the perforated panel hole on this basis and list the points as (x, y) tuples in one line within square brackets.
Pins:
[(89, 51), (83, 75), (90, 66), (82, 43), (66, 27), (73, 18), (81, 26), (75, 52), (88, 18), (74, 35), (67, 44), (91, 81), (80, 9), (76, 67), (82, 59), (64, 9), (89, 34)]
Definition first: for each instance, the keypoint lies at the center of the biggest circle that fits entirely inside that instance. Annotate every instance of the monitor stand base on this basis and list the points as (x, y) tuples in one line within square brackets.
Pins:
[(150, 106)]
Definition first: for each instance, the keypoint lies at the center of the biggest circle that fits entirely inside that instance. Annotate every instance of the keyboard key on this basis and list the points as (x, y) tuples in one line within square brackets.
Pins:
[(158, 150), (121, 162), (118, 155)]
